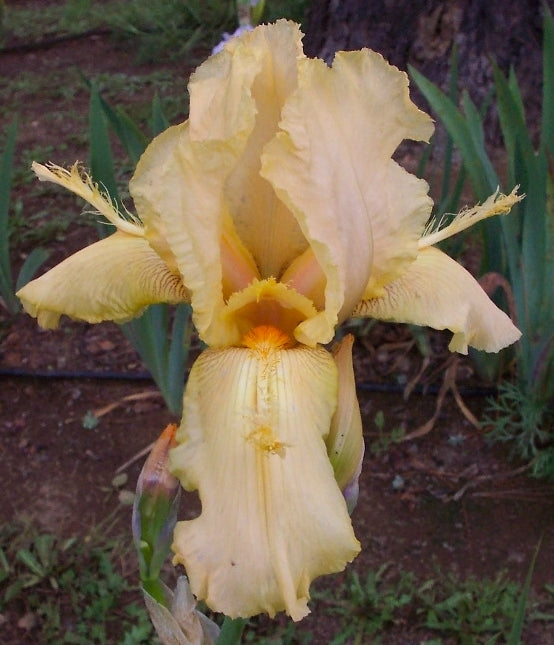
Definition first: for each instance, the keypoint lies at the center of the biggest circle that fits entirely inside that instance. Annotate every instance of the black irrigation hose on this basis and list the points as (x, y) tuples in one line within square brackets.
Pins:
[(47, 43), (364, 386), (397, 388), (15, 372)]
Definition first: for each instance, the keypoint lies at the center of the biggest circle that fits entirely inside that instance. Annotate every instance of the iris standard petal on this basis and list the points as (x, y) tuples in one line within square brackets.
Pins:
[(252, 443), (264, 223), (397, 226), (113, 279), (438, 292), (171, 184), (330, 165), (201, 178)]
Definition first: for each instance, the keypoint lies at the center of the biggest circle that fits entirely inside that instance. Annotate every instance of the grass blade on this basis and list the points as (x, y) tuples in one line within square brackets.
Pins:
[(159, 120), (178, 355), (449, 147), (547, 125), (6, 171), (34, 260), (517, 626), (124, 127), (231, 631), (474, 119), (458, 129), (100, 154), (132, 138)]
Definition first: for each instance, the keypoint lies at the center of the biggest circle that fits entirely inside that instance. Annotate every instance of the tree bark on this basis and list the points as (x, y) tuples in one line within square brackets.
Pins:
[(422, 34)]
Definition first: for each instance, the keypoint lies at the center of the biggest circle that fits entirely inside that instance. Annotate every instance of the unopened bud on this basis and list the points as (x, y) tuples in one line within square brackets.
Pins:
[(155, 507)]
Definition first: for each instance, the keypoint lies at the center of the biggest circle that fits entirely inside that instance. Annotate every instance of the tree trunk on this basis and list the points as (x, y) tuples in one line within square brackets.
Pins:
[(422, 34)]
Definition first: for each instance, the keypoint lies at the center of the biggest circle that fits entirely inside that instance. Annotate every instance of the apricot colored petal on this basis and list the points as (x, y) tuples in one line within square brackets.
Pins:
[(331, 166), (172, 187), (113, 279), (181, 181), (252, 443), (264, 223), (397, 226), (438, 292), (201, 179)]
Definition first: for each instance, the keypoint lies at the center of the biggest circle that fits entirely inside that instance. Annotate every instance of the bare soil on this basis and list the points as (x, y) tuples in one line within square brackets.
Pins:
[(445, 500)]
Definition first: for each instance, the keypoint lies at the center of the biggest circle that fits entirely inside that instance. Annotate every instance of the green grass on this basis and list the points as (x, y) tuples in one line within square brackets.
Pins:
[(84, 591), (369, 605), (60, 88), (71, 590), (519, 246), (468, 611), (30, 25), (155, 30), (473, 610)]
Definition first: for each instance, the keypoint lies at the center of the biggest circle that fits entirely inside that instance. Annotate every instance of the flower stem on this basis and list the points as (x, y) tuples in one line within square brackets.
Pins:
[(154, 588)]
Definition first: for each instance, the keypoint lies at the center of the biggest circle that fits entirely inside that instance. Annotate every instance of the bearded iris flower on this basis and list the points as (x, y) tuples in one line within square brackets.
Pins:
[(277, 211)]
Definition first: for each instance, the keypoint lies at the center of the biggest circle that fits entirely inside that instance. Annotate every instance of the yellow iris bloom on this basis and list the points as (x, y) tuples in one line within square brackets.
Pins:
[(277, 211)]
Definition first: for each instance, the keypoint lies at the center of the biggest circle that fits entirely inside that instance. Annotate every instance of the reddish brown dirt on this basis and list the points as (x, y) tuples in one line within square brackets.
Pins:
[(444, 500)]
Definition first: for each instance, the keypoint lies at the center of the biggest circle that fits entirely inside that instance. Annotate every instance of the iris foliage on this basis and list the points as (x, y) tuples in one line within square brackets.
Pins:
[(520, 248)]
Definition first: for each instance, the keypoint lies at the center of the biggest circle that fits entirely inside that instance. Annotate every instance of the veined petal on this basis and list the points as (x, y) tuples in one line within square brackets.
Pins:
[(252, 443), (263, 221), (345, 443), (331, 166), (201, 178), (397, 227), (113, 279), (181, 179), (172, 186), (438, 292)]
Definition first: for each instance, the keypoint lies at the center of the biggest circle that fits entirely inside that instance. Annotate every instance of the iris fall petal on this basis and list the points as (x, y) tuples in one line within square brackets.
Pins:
[(252, 443), (113, 279), (438, 292)]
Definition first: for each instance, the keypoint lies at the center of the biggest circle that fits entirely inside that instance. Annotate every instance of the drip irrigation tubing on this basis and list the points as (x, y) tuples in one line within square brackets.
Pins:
[(47, 43), (363, 386)]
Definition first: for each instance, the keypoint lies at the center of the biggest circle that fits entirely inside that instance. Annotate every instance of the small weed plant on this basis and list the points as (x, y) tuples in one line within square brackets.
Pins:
[(382, 440), (367, 606), (76, 591), (473, 610), (69, 590), (466, 611)]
